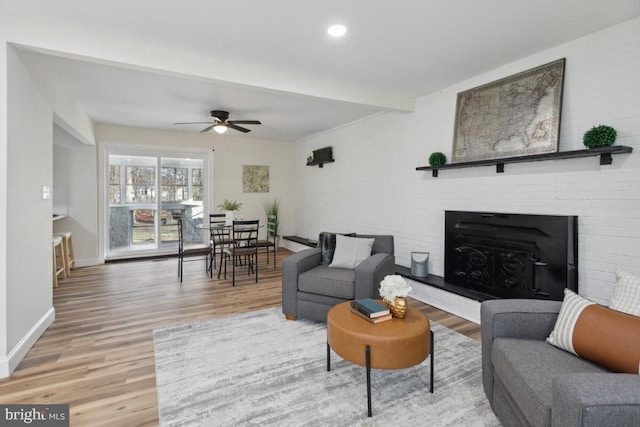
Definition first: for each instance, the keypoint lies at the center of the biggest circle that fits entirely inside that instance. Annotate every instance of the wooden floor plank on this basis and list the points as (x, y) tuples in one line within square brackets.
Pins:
[(97, 355)]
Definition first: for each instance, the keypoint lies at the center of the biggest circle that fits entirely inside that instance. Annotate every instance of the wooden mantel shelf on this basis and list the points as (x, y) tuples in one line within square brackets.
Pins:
[(604, 153)]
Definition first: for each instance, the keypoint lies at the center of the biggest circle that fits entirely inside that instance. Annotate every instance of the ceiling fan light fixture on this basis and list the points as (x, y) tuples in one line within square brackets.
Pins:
[(220, 128), (221, 123)]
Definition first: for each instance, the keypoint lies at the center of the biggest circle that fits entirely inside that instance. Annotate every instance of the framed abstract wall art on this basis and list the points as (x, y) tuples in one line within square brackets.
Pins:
[(255, 179)]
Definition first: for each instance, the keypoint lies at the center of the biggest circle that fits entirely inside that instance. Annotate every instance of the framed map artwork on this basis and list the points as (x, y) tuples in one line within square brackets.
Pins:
[(255, 179), (515, 116)]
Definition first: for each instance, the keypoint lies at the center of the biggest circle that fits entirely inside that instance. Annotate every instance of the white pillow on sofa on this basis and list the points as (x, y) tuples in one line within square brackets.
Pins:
[(626, 295), (351, 251)]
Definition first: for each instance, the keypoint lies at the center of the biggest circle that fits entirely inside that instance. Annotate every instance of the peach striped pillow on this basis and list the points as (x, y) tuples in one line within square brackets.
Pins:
[(607, 337)]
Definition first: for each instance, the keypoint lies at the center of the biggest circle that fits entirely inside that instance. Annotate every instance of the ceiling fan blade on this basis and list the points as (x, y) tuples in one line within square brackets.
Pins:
[(244, 122), (207, 129), (192, 123), (241, 129)]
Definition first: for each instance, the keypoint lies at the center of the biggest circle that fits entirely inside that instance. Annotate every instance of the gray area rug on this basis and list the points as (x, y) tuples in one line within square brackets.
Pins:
[(257, 368)]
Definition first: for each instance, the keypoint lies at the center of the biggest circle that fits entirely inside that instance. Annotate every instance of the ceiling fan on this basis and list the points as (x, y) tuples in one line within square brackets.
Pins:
[(221, 123)]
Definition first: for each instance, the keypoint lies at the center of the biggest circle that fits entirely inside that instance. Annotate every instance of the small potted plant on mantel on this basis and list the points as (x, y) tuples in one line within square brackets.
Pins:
[(437, 159), (229, 207), (599, 136)]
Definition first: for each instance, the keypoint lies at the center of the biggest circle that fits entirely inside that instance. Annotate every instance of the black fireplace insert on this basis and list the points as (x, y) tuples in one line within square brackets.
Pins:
[(512, 255)]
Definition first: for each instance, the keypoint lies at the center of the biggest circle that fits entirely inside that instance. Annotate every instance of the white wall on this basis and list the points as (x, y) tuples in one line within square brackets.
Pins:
[(28, 286), (373, 186), (68, 114), (227, 160), (4, 143), (231, 154), (75, 173)]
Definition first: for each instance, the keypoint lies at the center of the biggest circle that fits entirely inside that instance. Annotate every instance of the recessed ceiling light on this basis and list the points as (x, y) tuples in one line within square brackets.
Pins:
[(337, 30)]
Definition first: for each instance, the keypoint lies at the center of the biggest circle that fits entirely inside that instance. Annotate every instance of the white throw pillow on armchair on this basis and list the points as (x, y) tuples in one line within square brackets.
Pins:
[(351, 251)]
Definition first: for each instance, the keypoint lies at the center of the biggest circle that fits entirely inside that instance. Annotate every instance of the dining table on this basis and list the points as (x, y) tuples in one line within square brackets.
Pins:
[(220, 235)]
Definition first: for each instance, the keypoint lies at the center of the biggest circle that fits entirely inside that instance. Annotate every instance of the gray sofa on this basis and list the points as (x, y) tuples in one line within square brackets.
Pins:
[(310, 288), (532, 383)]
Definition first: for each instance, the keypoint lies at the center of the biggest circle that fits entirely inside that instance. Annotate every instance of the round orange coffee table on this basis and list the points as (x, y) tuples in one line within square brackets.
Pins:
[(393, 344)]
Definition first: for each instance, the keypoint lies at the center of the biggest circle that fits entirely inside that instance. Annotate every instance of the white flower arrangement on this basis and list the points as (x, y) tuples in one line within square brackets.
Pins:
[(393, 286)]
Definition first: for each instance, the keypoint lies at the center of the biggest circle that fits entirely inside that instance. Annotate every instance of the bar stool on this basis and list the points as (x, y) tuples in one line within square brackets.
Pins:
[(69, 259), (58, 260)]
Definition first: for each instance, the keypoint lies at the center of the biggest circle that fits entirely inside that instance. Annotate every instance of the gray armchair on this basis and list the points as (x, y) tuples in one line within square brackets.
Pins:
[(531, 383), (310, 288)]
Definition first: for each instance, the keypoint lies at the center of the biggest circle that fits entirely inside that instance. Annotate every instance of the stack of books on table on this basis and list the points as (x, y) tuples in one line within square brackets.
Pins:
[(370, 310)]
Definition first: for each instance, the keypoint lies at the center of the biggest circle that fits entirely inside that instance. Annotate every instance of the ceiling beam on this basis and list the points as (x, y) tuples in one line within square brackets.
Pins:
[(43, 36)]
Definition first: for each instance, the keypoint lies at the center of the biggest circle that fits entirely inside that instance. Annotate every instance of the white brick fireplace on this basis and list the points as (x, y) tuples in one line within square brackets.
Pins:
[(373, 186)]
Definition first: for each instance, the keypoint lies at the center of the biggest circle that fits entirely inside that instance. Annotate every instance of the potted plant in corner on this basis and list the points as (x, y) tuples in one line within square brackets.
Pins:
[(229, 207), (272, 208)]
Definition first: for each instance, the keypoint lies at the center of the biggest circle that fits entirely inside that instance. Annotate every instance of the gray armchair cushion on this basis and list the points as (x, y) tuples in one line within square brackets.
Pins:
[(596, 399), (324, 280), (513, 318), (528, 367)]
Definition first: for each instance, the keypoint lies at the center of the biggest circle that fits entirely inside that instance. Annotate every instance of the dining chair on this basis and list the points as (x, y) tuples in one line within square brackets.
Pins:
[(192, 250), (270, 244), (220, 236), (244, 234)]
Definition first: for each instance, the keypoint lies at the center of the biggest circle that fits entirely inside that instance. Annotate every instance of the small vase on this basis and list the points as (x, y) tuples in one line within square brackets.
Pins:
[(398, 308), (230, 216)]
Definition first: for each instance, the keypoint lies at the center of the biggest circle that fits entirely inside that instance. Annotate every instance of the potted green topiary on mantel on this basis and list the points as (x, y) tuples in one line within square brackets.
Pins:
[(437, 159), (599, 136)]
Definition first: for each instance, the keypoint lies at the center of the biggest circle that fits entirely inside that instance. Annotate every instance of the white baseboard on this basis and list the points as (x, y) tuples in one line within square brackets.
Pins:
[(88, 262), (15, 356), (455, 304)]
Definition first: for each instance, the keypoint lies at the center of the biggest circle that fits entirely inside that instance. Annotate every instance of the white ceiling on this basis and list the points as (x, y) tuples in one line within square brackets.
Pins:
[(393, 51)]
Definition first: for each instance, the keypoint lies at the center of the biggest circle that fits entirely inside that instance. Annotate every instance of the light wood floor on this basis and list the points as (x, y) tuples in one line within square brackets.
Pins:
[(98, 354)]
